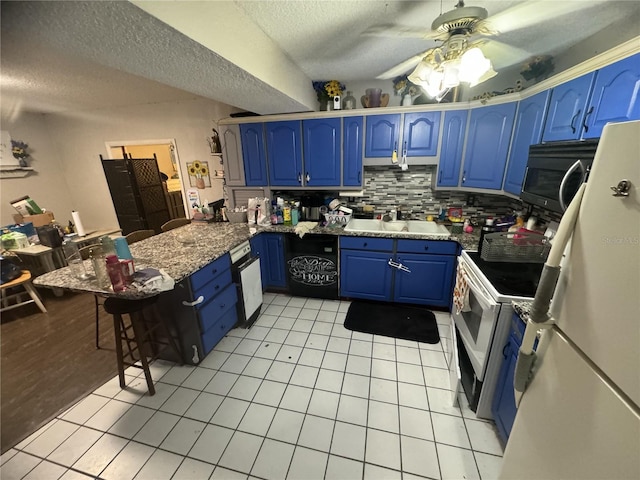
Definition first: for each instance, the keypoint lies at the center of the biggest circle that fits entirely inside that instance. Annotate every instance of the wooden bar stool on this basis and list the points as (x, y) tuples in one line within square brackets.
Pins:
[(145, 334), (24, 281)]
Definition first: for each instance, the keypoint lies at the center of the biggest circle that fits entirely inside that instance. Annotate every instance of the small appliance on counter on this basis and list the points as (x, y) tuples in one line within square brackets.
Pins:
[(215, 209), (310, 208)]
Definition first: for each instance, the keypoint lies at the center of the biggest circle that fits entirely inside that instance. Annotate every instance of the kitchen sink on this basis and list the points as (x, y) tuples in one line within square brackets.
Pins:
[(404, 227)]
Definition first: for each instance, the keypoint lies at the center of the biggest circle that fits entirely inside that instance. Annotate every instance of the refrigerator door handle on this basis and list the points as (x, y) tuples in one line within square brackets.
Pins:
[(572, 169)]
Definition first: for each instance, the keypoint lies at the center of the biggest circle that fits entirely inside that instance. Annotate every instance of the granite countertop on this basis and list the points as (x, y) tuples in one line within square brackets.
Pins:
[(183, 251), (522, 309)]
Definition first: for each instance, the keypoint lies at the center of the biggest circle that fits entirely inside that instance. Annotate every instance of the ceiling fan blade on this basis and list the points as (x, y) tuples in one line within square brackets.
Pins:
[(501, 54), (532, 12), (388, 30), (403, 67)]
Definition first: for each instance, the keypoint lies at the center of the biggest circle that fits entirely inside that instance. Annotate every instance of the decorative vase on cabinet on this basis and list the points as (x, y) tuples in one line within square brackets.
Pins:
[(407, 100), (349, 102)]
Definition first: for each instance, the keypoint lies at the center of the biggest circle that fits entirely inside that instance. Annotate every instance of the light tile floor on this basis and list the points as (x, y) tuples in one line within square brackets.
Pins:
[(297, 396)]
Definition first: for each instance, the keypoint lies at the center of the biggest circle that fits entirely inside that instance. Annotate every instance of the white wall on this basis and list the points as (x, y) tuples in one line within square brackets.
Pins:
[(76, 141), (47, 185)]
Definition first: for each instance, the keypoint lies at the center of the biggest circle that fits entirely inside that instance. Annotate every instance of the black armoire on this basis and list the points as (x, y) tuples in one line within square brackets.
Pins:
[(137, 193)]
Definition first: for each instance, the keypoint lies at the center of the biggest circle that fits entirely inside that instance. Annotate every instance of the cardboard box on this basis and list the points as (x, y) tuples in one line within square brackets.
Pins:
[(37, 220)]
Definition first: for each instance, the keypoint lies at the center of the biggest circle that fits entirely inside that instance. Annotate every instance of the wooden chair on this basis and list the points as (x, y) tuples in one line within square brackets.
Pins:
[(175, 223), (138, 235), (24, 281)]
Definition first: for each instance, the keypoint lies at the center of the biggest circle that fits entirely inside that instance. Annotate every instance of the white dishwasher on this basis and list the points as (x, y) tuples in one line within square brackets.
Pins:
[(245, 270)]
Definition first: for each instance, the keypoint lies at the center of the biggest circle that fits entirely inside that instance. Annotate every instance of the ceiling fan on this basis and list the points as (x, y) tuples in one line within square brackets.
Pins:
[(465, 28)]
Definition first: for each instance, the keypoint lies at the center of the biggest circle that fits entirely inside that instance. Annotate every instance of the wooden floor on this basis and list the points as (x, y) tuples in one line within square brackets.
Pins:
[(49, 361)]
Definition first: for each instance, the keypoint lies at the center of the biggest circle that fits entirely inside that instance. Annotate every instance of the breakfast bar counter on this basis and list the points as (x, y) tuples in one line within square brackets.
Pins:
[(185, 250)]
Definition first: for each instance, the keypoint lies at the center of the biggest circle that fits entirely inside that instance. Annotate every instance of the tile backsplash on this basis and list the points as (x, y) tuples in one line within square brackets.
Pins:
[(412, 191)]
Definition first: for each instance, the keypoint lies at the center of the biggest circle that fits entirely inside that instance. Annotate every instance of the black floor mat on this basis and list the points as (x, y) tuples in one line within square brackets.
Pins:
[(391, 320)]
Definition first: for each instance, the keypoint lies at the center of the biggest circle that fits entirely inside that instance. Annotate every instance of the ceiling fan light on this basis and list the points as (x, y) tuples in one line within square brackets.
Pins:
[(484, 77), (421, 73), (450, 76), (473, 65)]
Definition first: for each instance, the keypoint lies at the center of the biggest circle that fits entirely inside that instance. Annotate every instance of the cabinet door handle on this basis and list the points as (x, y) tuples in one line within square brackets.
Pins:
[(440, 177), (364, 244), (573, 120), (399, 266), (308, 177), (216, 287), (464, 176), (222, 305), (196, 357), (359, 177), (586, 118), (426, 247), (299, 177), (215, 270), (197, 301), (505, 351)]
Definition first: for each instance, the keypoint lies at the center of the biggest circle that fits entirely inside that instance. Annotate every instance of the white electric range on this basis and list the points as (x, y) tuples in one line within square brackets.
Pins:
[(483, 331)]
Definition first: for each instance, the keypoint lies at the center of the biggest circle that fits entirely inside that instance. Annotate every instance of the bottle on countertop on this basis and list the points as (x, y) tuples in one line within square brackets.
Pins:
[(487, 228), (114, 269), (108, 246), (286, 215)]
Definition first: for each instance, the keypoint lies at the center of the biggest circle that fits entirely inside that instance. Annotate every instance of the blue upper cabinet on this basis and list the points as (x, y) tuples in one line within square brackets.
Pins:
[(527, 131), (382, 135), (322, 152), (352, 151), (453, 130), (420, 134), (567, 109), (615, 97), (487, 146), (284, 151), (253, 155)]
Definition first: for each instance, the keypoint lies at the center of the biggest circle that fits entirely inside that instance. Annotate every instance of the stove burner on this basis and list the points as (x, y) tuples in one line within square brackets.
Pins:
[(514, 279)]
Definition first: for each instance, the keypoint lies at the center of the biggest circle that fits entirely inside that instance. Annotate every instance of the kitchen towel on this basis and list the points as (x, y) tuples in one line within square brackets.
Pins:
[(78, 223), (461, 291)]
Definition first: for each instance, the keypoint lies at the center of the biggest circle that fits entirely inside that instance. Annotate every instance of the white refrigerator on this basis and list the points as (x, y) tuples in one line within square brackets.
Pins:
[(580, 414)]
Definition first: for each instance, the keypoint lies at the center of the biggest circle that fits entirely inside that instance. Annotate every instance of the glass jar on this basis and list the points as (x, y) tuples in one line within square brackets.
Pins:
[(74, 260), (349, 102), (99, 264)]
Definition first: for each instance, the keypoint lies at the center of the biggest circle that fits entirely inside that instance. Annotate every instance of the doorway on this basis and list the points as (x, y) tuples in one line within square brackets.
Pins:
[(166, 154)]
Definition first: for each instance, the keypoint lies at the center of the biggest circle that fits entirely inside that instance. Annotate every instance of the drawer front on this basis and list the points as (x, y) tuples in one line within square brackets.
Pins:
[(367, 243), (219, 329), (208, 273), (209, 290), (437, 247), (211, 311)]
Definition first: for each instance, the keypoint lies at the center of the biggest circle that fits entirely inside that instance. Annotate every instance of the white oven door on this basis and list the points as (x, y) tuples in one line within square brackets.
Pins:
[(476, 325)]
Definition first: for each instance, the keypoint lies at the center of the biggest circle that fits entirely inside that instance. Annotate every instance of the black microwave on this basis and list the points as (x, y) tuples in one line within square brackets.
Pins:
[(555, 171)]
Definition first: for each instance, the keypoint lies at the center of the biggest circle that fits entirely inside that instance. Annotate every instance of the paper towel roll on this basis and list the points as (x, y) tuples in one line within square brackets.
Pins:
[(78, 223)]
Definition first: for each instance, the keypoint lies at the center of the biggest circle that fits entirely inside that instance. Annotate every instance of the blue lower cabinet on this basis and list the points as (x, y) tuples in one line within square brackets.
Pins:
[(365, 274), (420, 273), (427, 279), (210, 312), (273, 249), (504, 404), (269, 247), (203, 308), (219, 329)]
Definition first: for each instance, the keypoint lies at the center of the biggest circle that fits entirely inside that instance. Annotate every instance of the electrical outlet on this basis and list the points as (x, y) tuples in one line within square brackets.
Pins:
[(471, 200)]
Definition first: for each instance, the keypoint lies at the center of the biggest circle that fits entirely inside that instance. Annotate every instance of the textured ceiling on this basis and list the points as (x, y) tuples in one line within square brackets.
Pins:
[(254, 55)]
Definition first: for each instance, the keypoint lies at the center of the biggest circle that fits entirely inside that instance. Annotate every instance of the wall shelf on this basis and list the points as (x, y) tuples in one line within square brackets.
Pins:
[(15, 172)]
